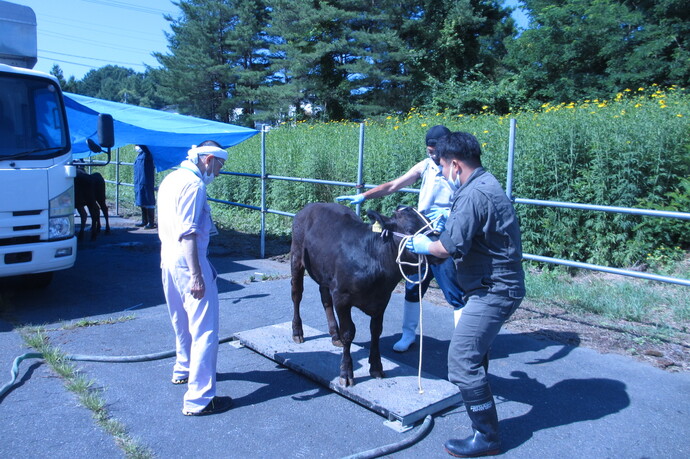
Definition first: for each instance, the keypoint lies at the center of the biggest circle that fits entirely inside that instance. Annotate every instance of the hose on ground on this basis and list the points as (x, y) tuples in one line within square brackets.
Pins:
[(393, 447), (93, 358), (372, 453)]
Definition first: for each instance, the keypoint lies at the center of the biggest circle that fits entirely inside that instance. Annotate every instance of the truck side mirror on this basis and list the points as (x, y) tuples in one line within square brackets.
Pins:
[(106, 134)]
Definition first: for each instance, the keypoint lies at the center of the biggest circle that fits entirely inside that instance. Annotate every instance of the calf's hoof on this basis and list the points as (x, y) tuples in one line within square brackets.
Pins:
[(299, 339), (336, 342), (378, 374), (347, 381)]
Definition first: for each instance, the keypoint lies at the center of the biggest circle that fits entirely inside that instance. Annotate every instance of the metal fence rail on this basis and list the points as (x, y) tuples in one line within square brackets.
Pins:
[(264, 177)]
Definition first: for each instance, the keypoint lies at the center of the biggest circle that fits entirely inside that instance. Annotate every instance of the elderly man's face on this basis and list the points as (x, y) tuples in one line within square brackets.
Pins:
[(215, 165)]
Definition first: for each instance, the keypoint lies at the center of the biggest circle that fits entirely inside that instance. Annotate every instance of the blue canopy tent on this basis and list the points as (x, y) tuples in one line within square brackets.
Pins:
[(167, 135)]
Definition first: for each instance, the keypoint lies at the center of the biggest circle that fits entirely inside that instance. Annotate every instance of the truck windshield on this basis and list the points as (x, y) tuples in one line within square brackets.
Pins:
[(32, 119)]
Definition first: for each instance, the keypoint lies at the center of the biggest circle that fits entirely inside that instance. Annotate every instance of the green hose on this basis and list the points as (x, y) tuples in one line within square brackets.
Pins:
[(372, 453), (393, 447), (93, 358)]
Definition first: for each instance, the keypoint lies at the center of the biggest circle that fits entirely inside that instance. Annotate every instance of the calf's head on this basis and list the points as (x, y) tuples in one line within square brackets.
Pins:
[(405, 221)]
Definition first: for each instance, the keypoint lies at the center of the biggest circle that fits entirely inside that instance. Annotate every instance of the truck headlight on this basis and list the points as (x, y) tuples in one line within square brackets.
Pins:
[(61, 219)]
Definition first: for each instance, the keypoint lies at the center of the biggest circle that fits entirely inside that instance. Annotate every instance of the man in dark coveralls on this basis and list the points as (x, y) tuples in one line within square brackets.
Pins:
[(144, 185), (482, 235)]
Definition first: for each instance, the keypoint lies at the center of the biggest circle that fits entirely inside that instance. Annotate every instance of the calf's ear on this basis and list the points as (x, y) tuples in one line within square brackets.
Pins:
[(376, 217)]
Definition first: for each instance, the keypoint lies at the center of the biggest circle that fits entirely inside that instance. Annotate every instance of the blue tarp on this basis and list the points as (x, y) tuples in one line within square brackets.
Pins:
[(168, 135)]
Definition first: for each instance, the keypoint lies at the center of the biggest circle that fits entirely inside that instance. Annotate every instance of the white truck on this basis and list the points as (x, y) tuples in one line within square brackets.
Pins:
[(36, 170)]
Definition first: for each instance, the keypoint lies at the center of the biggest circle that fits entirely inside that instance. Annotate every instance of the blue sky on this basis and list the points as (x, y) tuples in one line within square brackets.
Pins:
[(81, 35)]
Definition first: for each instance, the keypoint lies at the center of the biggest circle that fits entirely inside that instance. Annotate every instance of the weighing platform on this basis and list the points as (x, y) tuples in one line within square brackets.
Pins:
[(396, 396)]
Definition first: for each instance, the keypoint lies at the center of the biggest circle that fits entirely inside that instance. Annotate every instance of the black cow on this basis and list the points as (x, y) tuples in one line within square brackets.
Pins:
[(354, 266), (89, 191)]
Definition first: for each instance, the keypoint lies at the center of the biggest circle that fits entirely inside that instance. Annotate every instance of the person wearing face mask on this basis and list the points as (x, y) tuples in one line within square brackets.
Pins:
[(144, 196), (434, 202), (189, 279), (482, 236)]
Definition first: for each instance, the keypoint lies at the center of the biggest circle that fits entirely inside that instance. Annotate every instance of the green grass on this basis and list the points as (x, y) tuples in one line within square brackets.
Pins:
[(88, 394), (631, 151), (663, 307)]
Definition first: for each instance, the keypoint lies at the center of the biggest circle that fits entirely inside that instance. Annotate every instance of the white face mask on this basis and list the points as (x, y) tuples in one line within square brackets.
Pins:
[(208, 177), (456, 182)]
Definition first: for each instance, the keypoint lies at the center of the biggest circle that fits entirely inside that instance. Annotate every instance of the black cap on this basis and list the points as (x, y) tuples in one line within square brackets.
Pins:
[(436, 133)]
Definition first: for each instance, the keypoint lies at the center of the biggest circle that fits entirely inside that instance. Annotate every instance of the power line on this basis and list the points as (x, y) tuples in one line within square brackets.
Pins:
[(100, 45), (127, 6), (91, 58)]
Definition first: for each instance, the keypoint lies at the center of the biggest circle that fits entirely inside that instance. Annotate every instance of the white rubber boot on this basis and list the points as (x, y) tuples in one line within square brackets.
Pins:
[(456, 315), (409, 327)]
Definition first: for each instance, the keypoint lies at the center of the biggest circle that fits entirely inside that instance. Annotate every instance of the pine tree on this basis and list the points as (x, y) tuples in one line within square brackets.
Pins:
[(215, 65)]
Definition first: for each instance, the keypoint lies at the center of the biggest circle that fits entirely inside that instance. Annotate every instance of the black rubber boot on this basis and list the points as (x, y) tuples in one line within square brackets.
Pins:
[(151, 218), (144, 217), (482, 412)]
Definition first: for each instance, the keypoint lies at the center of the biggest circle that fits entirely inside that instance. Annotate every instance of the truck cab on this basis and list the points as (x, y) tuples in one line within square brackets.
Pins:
[(36, 172)]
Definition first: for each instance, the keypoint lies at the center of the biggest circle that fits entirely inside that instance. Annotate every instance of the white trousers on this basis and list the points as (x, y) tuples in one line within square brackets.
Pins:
[(196, 330)]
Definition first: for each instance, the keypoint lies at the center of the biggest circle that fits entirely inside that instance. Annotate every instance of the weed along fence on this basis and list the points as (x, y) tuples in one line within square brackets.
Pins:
[(263, 208)]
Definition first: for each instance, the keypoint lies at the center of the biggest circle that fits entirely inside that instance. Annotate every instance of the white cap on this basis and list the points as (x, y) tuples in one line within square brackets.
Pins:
[(195, 152)]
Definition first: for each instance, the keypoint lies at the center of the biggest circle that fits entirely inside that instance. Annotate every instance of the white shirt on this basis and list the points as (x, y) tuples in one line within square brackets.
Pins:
[(435, 190), (182, 210)]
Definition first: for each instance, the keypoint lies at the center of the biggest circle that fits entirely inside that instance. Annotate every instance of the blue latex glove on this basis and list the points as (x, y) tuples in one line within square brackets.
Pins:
[(440, 224), (356, 199), (438, 217), (437, 212), (419, 244)]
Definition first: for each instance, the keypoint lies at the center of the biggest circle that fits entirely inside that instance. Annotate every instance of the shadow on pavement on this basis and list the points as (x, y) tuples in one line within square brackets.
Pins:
[(567, 402)]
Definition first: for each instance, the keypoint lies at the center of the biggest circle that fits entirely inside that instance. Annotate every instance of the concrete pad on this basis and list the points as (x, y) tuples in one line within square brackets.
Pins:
[(397, 396)]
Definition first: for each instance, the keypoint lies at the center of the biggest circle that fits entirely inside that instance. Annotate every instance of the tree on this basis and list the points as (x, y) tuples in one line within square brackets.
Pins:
[(343, 56), (110, 82), (67, 86), (458, 42), (577, 49), (215, 65)]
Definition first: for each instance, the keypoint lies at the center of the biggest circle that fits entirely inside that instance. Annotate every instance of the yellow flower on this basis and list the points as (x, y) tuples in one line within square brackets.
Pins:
[(396, 128), (640, 89), (484, 107), (627, 90), (486, 132), (484, 144), (638, 105), (389, 117), (679, 115), (424, 124), (602, 105)]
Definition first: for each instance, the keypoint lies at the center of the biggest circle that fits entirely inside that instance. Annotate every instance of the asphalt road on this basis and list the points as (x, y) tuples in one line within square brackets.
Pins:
[(553, 400)]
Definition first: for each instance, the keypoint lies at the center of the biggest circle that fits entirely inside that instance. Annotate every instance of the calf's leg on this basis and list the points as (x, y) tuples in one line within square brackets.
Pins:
[(347, 334), (95, 212), (297, 283), (375, 366), (327, 301), (82, 217)]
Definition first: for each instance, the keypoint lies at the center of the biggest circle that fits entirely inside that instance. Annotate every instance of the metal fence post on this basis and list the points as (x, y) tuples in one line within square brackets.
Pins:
[(360, 164), (511, 160), (263, 191), (117, 181)]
